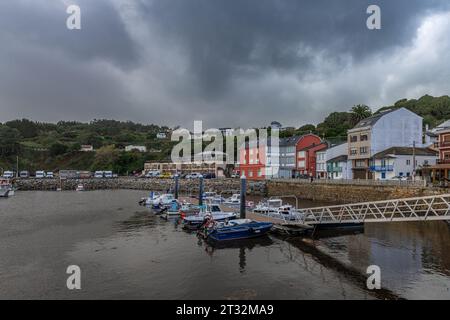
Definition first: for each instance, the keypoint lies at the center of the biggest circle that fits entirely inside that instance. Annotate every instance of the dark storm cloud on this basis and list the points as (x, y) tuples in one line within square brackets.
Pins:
[(223, 38), (227, 62), (42, 23)]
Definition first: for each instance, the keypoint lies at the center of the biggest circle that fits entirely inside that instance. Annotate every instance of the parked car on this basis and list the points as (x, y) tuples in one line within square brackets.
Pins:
[(98, 174), (165, 175), (235, 175), (152, 174), (40, 174), (209, 175), (24, 174), (194, 175), (8, 174), (85, 174), (108, 174), (49, 175), (400, 178)]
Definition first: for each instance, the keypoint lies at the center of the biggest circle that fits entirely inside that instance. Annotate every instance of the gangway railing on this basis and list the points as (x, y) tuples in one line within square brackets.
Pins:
[(427, 208)]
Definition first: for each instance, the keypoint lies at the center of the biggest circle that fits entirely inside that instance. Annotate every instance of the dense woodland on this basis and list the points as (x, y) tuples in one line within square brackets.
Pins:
[(51, 146)]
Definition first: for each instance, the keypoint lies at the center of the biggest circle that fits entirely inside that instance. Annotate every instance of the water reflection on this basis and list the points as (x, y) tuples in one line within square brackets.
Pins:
[(242, 245), (137, 221)]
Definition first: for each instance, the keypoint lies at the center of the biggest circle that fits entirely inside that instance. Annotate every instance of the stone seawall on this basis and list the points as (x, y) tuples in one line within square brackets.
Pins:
[(335, 193), (225, 186), (347, 193)]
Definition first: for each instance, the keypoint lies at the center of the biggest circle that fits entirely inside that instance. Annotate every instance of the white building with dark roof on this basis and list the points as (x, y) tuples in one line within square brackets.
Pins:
[(391, 128)]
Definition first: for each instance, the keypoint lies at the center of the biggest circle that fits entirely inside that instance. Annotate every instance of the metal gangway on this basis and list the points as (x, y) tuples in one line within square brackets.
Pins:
[(409, 209)]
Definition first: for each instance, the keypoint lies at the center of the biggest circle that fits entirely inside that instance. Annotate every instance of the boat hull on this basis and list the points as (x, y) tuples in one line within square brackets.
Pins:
[(240, 232)]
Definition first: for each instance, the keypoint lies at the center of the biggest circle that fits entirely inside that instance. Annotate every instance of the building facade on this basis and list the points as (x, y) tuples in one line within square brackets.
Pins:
[(399, 162), (338, 165), (287, 156), (306, 149), (391, 128), (321, 164)]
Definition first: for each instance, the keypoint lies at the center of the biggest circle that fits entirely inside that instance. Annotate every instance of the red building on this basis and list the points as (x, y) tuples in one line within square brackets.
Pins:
[(252, 162), (441, 171), (261, 162), (306, 150)]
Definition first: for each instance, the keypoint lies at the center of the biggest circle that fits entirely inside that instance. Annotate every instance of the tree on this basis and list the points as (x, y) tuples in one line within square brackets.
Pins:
[(360, 112), (9, 140), (57, 149)]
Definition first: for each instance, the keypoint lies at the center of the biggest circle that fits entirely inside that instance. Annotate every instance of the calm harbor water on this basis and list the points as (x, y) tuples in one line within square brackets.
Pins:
[(125, 252)]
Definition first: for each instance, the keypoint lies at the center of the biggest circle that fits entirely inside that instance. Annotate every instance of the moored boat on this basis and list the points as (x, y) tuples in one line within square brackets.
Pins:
[(6, 188), (79, 187), (210, 211), (238, 229)]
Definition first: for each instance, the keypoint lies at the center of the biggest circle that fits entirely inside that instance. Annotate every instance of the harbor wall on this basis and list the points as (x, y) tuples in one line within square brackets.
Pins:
[(347, 193), (187, 186), (334, 193)]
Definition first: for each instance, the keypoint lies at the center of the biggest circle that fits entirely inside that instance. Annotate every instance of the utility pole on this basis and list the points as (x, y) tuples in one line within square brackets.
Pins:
[(414, 160), (17, 166)]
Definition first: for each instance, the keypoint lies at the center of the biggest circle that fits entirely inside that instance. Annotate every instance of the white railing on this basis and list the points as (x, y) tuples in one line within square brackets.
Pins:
[(409, 209)]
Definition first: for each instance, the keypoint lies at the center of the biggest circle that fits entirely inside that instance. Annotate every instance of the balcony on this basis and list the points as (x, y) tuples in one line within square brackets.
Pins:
[(444, 144), (382, 168), (334, 169), (443, 161)]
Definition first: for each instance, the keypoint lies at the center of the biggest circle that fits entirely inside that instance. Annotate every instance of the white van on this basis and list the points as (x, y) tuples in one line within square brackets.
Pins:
[(8, 174), (98, 174), (40, 174), (108, 174)]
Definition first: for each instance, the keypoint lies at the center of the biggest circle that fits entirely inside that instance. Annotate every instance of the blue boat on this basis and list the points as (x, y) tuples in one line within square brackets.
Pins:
[(239, 229)]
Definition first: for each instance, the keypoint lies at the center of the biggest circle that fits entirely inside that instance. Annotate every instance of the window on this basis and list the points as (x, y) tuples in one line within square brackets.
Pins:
[(408, 162), (353, 138), (353, 151), (383, 175), (301, 154), (301, 164), (363, 150), (360, 164), (250, 173), (259, 173), (364, 137)]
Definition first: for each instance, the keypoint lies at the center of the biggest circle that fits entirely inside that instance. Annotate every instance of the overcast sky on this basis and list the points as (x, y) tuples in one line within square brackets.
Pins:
[(229, 63)]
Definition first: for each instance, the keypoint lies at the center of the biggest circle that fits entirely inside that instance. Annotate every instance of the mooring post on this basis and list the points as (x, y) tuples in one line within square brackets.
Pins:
[(176, 186), (243, 193), (200, 192)]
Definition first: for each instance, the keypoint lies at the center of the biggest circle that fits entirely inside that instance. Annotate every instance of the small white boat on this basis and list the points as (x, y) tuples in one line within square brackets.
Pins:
[(6, 188), (275, 208), (79, 187), (213, 211), (234, 200)]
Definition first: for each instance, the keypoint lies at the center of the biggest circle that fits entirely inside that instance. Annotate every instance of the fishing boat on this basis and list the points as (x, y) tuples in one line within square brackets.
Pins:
[(235, 201), (210, 211), (238, 229), (6, 188), (269, 206), (275, 208), (213, 198), (173, 211)]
